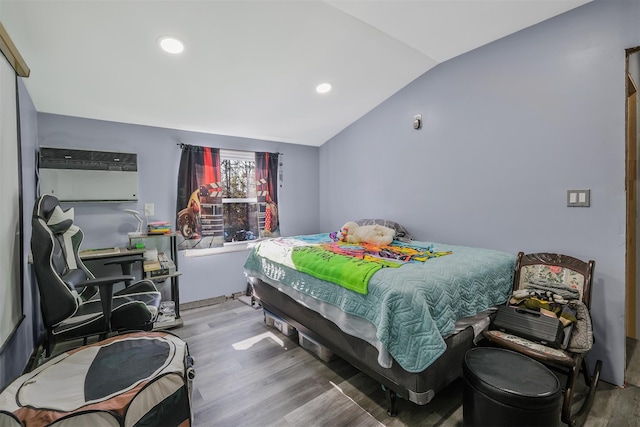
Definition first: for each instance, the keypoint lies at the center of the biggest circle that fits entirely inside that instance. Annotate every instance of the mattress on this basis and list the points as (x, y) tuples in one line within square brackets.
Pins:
[(408, 311)]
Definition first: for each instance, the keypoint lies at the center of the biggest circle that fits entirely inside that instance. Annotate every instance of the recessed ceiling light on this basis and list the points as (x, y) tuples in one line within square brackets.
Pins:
[(323, 87), (171, 44)]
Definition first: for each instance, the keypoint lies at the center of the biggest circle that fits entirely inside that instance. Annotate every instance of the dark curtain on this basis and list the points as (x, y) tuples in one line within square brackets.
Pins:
[(199, 201), (267, 192)]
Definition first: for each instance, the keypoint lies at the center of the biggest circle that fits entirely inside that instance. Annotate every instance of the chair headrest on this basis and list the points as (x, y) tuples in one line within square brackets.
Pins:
[(58, 220)]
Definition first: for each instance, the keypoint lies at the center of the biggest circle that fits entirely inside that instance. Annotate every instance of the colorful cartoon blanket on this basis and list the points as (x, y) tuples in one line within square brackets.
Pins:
[(352, 264)]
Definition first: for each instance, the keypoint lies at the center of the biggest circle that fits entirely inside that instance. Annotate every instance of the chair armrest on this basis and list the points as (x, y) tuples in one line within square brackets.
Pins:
[(106, 280), (126, 263), (105, 286)]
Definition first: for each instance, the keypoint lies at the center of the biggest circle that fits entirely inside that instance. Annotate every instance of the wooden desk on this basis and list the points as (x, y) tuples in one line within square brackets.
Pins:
[(102, 253), (88, 254)]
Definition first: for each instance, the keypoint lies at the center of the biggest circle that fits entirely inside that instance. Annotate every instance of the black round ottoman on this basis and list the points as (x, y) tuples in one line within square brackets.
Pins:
[(505, 388)]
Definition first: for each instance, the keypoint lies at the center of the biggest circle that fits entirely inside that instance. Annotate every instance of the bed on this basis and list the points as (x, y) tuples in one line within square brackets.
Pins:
[(404, 314)]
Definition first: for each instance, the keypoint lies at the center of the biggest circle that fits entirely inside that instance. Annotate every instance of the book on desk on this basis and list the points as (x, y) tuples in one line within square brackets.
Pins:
[(161, 266)]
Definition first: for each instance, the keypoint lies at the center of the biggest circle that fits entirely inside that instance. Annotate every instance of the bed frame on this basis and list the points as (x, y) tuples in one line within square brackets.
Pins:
[(418, 388)]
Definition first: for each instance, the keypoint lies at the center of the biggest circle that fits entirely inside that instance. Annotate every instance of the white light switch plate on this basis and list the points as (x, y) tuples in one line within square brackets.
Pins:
[(579, 198), (148, 209)]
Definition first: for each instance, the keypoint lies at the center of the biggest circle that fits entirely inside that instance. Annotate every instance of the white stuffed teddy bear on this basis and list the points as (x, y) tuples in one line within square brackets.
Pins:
[(376, 234)]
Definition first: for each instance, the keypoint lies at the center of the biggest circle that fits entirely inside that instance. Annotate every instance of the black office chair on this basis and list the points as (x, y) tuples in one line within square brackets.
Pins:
[(74, 303), (575, 274)]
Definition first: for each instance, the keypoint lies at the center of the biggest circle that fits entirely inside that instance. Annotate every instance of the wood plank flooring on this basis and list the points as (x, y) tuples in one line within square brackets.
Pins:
[(249, 374)]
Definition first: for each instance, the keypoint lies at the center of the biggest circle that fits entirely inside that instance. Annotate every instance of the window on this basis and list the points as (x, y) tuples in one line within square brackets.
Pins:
[(239, 201), (226, 197)]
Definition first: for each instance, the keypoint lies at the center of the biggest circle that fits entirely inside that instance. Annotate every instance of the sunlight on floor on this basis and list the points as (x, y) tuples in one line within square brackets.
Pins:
[(249, 342), (336, 387)]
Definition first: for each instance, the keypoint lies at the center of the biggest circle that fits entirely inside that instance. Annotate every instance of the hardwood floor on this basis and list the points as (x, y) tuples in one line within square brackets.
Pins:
[(249, 374)]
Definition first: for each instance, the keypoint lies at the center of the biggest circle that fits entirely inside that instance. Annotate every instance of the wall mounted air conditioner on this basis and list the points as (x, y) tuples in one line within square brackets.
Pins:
[(87, 175)]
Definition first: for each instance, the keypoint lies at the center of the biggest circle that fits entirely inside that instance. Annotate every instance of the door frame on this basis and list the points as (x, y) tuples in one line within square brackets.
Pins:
[(631, 179)]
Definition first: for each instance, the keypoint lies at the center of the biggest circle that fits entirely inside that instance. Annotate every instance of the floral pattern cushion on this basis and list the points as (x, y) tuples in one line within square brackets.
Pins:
[(553, 352), (553, 274)]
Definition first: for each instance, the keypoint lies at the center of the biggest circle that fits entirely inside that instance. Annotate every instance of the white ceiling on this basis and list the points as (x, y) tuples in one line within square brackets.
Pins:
[(249, 67)]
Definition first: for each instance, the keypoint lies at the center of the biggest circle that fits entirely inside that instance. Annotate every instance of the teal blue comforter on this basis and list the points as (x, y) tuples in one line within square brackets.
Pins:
[(412, 307)]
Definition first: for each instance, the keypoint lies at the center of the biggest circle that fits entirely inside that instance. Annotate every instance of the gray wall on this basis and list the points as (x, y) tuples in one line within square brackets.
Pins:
[(106, 224), (508, 129)]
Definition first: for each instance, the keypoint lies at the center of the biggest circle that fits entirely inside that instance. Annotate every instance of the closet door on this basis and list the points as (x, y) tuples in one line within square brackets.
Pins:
[(11, 230)]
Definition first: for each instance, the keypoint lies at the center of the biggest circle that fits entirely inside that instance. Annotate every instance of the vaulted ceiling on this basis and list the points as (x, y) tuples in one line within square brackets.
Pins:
[(249, 68)]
